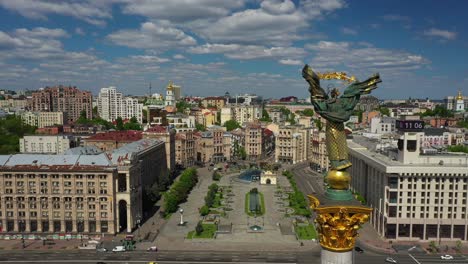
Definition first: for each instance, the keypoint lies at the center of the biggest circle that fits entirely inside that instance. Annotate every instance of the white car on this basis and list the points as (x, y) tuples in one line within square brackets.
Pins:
[(118, 249), (446, 257), (391, 260)]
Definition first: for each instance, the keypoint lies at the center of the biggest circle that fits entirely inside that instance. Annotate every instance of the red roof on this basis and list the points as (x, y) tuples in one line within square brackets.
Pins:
[(129, 135), (157, 129), (267, 132)]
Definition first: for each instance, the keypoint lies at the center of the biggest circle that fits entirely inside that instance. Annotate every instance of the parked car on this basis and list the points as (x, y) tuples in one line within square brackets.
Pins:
[(391, 260), (446, 257), (358, 249), (118, 249), (153, 248), (101, 249)]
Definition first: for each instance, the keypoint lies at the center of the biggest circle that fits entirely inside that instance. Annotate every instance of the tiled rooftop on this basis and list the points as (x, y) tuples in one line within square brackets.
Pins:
[(129, 135)]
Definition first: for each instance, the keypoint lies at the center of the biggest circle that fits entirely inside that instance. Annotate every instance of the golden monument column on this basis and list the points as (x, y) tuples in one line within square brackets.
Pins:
[(338, 215)]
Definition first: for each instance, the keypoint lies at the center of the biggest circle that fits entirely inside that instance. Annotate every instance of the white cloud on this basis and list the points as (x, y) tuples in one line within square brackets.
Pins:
[(445, 34), (277, 7), (181, 10), (317, 8), (93, 12), (178, 57), (291, 62), (349, 31), (145, 59), (362, 58), (255, 26), (151, 35), (248, 52), (79, 31)]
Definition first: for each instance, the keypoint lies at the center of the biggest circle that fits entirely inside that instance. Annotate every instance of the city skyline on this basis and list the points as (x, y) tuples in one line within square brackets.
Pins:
[(209, 47)]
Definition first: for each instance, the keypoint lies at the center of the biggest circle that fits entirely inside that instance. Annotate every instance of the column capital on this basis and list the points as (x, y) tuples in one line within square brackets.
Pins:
[(338, 225)]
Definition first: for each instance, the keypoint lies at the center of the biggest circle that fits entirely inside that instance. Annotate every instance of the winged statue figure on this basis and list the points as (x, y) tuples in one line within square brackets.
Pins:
[(337, 110)]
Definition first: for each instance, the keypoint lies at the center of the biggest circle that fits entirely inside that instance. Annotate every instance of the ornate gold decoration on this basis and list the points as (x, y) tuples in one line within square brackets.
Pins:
[(338, 180), (170, 86), (337, 76), (314, 202), (338, 226), (459, 96), (337, 149)]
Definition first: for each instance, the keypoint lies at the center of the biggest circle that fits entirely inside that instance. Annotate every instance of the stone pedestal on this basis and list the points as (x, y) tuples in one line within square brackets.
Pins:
[(330, 257)]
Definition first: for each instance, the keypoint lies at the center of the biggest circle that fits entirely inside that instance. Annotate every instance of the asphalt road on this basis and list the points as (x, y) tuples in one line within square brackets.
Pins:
[(200, 257), (160, 257)]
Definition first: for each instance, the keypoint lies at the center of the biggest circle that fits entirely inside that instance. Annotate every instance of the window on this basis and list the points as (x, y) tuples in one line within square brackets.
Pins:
[(45, 214), (33, 214), (56, 214), (103, 214), (92, 215)]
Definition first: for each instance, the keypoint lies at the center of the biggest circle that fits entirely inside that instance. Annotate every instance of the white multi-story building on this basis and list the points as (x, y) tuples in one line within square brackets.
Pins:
[(413, 196), (382, 125), (241, 113), (112, 104), (43, 119), (46, 144)]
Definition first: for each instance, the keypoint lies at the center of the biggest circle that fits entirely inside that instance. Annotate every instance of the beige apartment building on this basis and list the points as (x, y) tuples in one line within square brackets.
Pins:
[(214, 145), (253, 141), (44, 119), (414, 196), (185, 152), (213, 101), (57, 193), (292, 144), (69, 193), (319, 156), (166, 135)]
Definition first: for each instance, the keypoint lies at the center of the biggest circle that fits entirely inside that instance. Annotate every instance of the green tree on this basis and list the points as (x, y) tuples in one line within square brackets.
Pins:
[(200, 127), (12, 129), (119, 123), (439, 111), (204, 210), (132, 124), (181, 106), (384, 111), (145, 116), (458, 148), (242, 153), (265, 116), (231, 125), (199, 228), (308, 112), (318, 124), (95, 111), (359, 114)]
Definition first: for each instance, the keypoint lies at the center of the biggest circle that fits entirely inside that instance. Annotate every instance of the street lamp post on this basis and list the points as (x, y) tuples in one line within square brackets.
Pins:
[(181, 211)]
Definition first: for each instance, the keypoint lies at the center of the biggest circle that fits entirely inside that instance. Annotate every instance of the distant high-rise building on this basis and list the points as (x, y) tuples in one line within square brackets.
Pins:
[(69, 100), (112, 104)]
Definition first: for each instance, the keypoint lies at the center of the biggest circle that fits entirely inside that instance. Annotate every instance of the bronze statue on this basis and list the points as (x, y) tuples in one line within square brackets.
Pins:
[(337, 110)]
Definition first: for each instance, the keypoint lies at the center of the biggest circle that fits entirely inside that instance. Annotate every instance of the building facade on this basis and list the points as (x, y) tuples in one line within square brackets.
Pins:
[(69, 100), (185, 151), (166, 135), (319, 156), (111, 140), (44, 119), (214, 145), (414, 196), (112, 105), (44, 144), (253, 141), (57, 194), (292, 144)]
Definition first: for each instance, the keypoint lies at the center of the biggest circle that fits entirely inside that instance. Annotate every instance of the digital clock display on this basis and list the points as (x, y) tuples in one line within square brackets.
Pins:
[(410, 125)]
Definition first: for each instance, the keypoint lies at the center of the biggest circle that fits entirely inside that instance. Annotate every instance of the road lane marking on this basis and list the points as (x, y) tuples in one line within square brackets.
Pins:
[(313, 190), (414, 259)]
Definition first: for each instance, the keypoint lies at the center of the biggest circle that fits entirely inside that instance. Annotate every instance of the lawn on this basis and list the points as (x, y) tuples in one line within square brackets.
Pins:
[(208, 232), (306, 232), (262, 204)]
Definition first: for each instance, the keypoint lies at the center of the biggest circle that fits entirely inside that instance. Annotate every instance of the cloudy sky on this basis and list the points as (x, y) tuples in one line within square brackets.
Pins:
[(209, 47)]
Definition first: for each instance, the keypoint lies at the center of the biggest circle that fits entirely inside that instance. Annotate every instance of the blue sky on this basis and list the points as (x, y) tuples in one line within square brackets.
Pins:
[(420, 48)]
